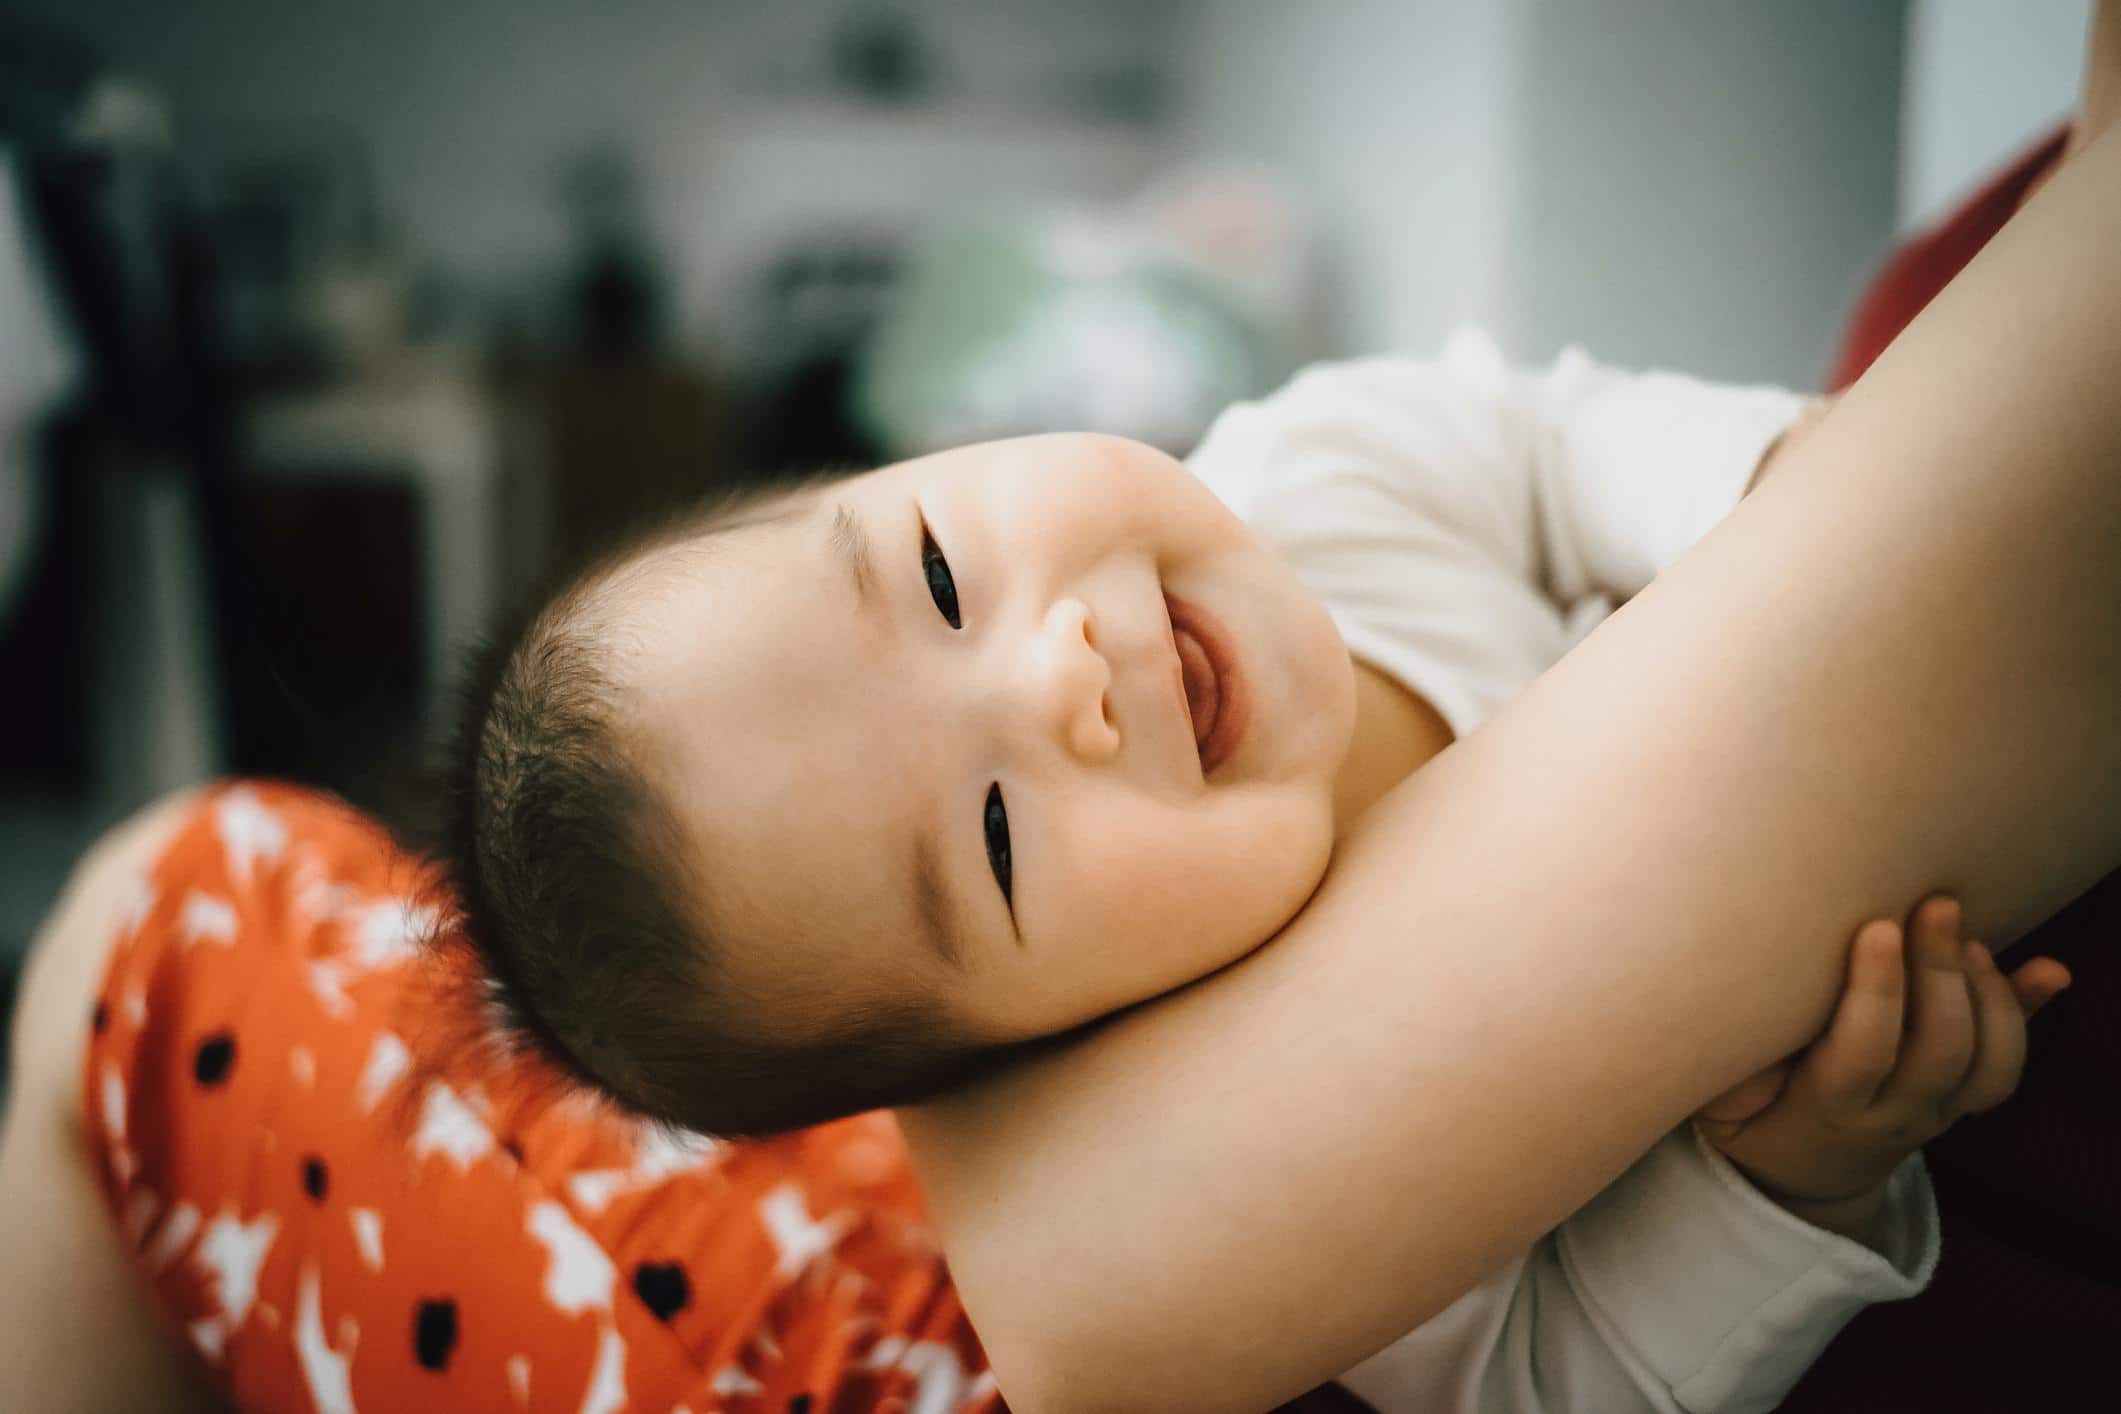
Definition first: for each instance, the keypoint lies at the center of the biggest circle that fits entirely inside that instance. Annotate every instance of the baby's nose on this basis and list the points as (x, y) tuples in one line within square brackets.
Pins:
[(1072, 679)]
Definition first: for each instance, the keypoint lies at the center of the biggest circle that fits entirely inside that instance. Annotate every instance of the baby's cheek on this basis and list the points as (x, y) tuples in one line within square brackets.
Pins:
[(1184, 892)]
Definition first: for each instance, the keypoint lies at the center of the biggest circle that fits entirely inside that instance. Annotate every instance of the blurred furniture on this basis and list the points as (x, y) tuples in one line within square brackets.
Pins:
[(112, 639), (38, 370), (601, 448), (428, 426)]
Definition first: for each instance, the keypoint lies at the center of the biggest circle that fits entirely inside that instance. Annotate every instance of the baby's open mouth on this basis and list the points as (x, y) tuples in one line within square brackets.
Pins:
[(1203, 694), (1212, 681)]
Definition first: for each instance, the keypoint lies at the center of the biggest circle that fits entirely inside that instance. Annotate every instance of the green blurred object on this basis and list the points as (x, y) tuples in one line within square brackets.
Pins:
[(1018, 324)]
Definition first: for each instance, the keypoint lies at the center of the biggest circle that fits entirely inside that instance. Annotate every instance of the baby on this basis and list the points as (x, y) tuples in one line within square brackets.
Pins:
[(834, 796), (831, 796)]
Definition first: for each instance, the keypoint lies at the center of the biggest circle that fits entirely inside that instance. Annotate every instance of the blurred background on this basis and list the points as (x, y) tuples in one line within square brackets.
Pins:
[(327, 328)]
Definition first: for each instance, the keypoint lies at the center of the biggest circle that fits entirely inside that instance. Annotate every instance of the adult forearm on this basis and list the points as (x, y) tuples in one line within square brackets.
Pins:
[(2099, 96), (1896, 668)]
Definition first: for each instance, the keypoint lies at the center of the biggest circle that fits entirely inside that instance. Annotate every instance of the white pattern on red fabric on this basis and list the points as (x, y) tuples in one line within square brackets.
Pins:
[(731, 1379), (327, 1373), (206, 916), (391, 931), (451, 1128), (172, 1238), (579, 1274), (113, 1096), (388, 1059), (797, 1238), (210, 1335), (123, 1163), (139, 902), (328, 980), (659, 1155), (249, 832), (231, 1251), (607, 1382), (368, 1235)]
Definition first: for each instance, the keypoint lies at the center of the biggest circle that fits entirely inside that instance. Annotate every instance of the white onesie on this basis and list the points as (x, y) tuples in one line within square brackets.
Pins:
[(1466, 524)]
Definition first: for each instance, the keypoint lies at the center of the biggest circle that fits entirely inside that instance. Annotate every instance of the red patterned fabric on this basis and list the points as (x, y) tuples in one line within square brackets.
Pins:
[(339, 1216)]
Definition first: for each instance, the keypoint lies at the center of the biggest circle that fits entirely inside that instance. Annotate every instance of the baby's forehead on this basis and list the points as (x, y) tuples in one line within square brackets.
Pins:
[(714, 637), (683, 578)]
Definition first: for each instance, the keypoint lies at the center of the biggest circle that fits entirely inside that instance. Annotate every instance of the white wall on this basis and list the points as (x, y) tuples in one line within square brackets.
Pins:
[(1702, 186), (1390, 120), (1985, 78)]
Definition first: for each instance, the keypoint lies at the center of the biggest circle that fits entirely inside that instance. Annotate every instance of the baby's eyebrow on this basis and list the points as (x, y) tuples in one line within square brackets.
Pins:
[(850, 539)]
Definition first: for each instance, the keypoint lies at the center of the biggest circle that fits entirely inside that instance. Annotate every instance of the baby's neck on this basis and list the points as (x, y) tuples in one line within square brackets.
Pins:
[(1396, 730)]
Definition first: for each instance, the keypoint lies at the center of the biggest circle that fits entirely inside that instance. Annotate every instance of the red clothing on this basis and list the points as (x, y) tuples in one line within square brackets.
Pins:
[(339, 1215), (1926, 264)]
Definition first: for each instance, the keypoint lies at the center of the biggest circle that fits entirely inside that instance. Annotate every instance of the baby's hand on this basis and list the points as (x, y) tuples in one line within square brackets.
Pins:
[(1909, 1050)]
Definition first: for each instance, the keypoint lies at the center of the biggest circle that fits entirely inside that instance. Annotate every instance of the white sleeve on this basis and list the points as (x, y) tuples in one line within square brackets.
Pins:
[(1678, 1288), (1465, 524)]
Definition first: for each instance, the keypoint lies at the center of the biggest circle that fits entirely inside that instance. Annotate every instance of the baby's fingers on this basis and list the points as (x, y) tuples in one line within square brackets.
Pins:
[(1940, 1034), (1852, 1060), (1999, 1025), (2039, 982)]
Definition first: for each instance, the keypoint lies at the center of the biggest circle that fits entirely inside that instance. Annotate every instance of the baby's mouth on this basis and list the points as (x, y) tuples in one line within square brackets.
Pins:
[(1197, 676), (1211, 678)]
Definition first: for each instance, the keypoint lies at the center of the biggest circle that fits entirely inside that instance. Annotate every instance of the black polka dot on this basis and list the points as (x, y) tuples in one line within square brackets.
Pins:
[(99, 1018), (216, 1057), (511, 1148), (434, 1333), (316, 1179), (798, 1404), (664, 1287)]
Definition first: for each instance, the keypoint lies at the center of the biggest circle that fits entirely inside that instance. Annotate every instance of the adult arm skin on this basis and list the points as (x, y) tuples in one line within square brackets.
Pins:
[(1895, 668)]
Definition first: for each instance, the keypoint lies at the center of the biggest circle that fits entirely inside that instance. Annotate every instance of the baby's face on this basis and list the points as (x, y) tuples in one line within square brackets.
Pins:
[(1036, 728)]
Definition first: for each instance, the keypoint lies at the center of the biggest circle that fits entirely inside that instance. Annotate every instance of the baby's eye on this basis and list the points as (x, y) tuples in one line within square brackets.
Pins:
[(997, 823), (941, 587)]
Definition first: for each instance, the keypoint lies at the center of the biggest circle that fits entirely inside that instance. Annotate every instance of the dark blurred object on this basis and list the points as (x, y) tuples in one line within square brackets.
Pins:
[(616, 291), (143, 454), (304, 287), (1326, 1399), (388, 491), (340, 700), (612, 445), (134, 267), (809, 312), (43, 78), (617, 428), (198, 608), (878, 55)]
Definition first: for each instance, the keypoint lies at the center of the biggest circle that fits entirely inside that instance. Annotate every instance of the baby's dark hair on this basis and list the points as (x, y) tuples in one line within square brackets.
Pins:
[(576, 889)]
